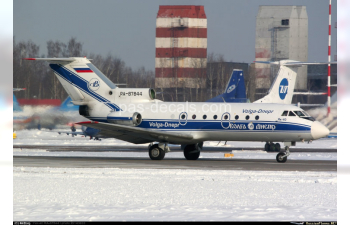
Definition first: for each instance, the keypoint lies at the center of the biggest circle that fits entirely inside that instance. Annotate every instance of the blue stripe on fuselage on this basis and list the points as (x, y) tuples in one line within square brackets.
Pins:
[(261, 126)]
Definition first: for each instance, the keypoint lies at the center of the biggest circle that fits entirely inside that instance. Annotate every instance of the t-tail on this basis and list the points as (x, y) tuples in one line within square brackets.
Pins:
[(84, 83), (282, 89), (235, 89)]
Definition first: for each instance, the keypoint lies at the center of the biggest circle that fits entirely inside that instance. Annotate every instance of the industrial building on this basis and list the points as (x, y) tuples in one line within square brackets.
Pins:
[(181, 48), (281, 33)]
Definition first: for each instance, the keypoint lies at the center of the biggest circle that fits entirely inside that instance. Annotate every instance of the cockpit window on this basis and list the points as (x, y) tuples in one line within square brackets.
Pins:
[(285, 113), (299, 113), (291, 113), (306, 114)]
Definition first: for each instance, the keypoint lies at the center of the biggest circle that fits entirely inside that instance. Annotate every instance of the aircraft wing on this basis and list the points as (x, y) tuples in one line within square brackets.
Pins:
[(137, 135)]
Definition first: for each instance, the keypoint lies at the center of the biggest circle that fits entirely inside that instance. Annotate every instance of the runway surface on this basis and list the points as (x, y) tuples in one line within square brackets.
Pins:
[(173, 163), (145, 149)]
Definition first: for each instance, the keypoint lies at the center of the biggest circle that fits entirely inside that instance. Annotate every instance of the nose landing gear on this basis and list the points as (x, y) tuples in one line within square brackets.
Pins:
[(282, 156)]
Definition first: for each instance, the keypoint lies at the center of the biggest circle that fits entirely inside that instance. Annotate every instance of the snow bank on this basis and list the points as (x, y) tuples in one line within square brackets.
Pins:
[(51, 194)]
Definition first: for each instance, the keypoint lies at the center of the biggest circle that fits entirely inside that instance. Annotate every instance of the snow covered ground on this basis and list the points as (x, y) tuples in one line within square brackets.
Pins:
[(172, 195), (109, 194)]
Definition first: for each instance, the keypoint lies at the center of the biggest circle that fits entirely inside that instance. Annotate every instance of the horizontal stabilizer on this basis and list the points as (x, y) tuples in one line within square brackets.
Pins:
[(294, 63), (53, 60)]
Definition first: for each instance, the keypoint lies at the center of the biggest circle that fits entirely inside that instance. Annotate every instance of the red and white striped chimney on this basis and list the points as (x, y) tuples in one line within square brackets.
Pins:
[(329, 59), (181, 46)]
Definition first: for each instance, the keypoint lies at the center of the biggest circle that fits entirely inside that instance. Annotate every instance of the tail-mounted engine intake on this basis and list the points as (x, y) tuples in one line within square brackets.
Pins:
[(125, 118), (84, 110)]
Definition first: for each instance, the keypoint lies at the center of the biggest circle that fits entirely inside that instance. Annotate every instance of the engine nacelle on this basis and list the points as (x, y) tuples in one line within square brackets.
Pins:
[(125, 118), (134, 94), (84, 110)]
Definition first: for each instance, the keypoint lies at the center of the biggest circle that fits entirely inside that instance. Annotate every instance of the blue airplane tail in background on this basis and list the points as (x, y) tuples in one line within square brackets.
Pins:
[(235, 90), (16, 107), (67, 105)]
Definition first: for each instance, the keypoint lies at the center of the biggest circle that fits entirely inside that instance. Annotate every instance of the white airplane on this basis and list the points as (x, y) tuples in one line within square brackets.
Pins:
[(134, 115)]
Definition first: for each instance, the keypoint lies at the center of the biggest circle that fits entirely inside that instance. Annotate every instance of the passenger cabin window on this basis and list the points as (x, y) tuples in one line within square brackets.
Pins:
[(236, 117), (291, 113), (204, 117), (226, 117), (285, 113), (257, 117), (183, 116), (194, 116), (215, 117), (247, 117)]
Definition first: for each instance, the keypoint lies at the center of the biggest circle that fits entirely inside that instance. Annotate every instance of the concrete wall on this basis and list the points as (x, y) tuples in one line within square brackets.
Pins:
[(276, 41)]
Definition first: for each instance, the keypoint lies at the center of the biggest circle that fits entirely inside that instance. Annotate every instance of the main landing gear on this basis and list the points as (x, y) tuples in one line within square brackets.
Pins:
[(157, 151), (192, 152), (271, 147)]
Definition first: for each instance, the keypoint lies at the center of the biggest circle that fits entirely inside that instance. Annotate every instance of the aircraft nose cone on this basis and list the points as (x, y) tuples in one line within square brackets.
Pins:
[(318, 130)]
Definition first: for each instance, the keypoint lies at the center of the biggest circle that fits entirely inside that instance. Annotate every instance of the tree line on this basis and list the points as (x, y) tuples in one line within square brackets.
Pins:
[(38, 78), (40, 83)]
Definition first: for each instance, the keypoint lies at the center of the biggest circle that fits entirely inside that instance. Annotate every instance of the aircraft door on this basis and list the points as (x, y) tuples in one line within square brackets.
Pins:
[(226, 120)]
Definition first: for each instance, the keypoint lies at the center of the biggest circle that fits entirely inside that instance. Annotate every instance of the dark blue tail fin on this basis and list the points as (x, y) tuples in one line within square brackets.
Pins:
[(235, 90)]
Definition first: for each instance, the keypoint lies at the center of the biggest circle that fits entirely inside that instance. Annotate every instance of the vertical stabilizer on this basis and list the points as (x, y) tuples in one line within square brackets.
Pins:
[(83, 82), (282, 89), (235, 89)]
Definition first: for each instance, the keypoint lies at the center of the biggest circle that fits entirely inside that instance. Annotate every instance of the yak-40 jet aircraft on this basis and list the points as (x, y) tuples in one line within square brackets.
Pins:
[(134, 115)]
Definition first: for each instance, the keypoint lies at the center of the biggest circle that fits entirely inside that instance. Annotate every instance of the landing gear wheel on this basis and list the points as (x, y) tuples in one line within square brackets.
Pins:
[(270, 147), (191, 153), (277, 147), (156, 153), (267, 146), (280, 157)]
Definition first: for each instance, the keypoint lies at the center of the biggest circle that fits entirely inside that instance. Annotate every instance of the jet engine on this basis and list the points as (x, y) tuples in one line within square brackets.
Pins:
[(125, 118)]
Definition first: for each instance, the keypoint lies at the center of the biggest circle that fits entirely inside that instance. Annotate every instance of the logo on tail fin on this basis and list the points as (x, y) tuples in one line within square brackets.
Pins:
[(94, 84), (231, 88), (283, 88)]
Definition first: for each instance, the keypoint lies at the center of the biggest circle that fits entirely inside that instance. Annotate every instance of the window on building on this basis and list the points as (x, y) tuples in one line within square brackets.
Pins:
[(285, 22)]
